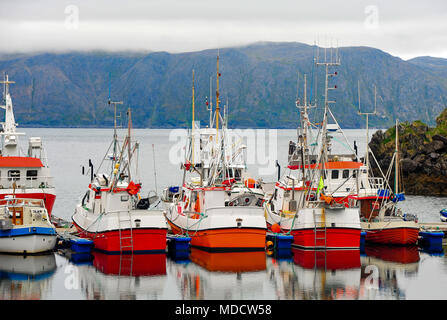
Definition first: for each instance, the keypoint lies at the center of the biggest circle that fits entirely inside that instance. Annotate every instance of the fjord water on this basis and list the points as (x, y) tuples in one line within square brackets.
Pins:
[(376, 273)]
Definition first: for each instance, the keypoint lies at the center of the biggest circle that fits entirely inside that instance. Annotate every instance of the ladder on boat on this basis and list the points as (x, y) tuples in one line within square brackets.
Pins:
[(320, 233), (126, 242)]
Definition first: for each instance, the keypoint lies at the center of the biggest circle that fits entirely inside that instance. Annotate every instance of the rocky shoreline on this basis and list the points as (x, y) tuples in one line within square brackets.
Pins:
[(423, 155)]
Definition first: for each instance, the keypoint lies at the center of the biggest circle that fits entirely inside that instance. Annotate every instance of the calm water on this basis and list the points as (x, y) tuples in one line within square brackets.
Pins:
[(376, 273)]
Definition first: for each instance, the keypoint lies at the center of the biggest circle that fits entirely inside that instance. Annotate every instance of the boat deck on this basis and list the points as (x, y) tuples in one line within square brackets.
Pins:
[(436, 226)]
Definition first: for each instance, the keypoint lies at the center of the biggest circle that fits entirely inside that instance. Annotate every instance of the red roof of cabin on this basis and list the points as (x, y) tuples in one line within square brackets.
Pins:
[(20, 162)]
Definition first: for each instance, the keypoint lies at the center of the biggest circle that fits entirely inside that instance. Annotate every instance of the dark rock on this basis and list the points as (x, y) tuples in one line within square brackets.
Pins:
[(436, 169), (434, 155), (433, 146), (409, 165), (438, 137), (419, 158), (423, 151)]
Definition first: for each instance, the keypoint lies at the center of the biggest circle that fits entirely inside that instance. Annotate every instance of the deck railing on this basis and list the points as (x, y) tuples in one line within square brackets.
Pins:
[(26, 182)]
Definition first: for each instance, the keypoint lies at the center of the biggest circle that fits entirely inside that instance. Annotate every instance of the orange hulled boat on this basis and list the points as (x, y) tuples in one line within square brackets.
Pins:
[(218, 206)]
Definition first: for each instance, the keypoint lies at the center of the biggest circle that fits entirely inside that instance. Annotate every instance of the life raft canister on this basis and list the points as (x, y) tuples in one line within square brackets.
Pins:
[(250, 183)]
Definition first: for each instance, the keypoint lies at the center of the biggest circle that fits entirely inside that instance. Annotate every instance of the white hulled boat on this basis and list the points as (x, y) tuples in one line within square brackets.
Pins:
[(27, 173), (25, 226)]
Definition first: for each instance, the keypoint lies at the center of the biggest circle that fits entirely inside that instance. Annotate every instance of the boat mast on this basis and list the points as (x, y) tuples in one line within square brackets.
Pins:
[(396, 174), (367, 114), (10, 123), (115, 135), (129, 143), (324, 137), (210, 109), (192, 129), (217, 98)]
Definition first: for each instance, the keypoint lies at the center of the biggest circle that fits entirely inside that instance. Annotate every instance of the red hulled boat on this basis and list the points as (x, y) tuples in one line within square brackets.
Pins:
[(26, 175)]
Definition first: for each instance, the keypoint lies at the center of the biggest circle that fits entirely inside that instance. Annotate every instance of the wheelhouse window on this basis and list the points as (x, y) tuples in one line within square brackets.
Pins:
[(345, 174), (13, 175), (334, 174), (31, 174)]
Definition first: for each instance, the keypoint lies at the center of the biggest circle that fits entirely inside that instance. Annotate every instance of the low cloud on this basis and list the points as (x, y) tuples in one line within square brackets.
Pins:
[(401, 28)]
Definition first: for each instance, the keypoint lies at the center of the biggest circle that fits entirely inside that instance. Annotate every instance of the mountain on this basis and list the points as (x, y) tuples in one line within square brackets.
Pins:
[(258, 82)]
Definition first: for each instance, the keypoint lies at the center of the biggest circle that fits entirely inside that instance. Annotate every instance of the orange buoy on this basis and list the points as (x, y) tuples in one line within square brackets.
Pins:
[(269, 244), (276, 228), (250, 182)]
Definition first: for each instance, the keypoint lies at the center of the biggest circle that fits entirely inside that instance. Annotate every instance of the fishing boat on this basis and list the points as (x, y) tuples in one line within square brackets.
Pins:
[(381, 218), (202, 146), (27, 173), (207, 208), (25, 226), (112, 212), (305, 202)]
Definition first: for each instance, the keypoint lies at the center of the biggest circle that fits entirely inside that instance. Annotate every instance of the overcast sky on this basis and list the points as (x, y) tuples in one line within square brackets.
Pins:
[(402, 28)]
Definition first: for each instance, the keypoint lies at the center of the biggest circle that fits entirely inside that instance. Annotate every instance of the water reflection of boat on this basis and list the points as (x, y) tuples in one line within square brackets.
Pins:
[(130, 265), (317, 274), (394, 254), (25, 277), (229, 261), (138, 276), (229, 275), (328, 259), (381, 267)]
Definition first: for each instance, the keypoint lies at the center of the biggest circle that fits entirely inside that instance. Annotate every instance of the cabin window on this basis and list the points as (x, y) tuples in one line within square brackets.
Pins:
[(124, 198), (13, 175), (345, 174), (354, 173), (237, 174), (31, 174), (334, 174)]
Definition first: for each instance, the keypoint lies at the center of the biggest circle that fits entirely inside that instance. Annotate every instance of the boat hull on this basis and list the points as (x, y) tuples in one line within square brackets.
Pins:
[(222, 229), (329, 239), (320, 228), (111, 234), (47, 195), (225, 239), (28, 244), (391, 233), (145, 240)]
